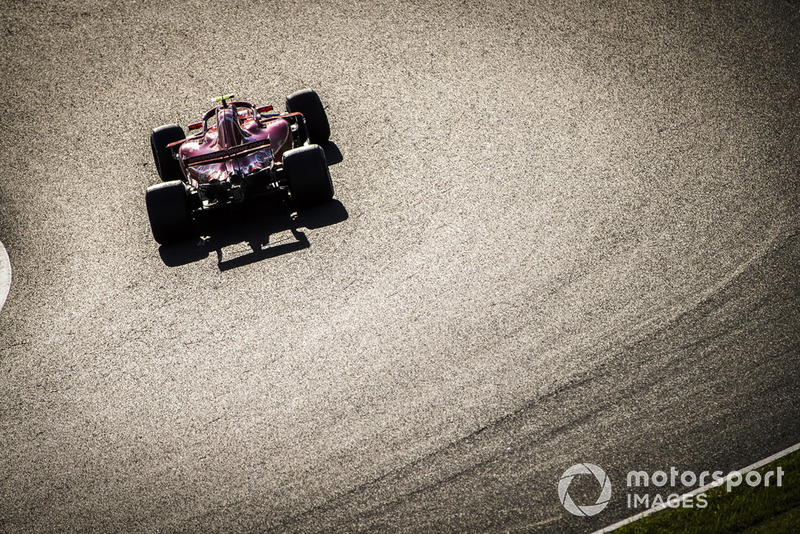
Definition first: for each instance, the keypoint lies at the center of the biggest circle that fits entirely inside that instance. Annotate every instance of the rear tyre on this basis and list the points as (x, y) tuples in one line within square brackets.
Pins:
[(307, 175), (168, 167), (308, 103), (169, 213)]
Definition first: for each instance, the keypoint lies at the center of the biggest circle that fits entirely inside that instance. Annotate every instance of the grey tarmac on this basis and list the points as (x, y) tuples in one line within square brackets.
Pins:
[(563, 233)]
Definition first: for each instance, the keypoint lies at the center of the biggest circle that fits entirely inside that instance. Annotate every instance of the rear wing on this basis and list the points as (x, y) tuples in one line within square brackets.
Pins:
[(222, 155)]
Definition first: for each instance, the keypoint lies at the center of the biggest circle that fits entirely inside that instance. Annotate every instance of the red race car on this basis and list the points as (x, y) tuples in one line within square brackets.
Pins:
[(239, 152)]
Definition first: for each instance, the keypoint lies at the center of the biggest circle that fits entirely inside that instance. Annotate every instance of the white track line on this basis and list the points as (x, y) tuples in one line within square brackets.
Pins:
[(5, 274), (654, 509)]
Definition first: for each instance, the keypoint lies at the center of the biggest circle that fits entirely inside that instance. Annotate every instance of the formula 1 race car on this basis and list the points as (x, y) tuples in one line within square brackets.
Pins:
[(239, 152)]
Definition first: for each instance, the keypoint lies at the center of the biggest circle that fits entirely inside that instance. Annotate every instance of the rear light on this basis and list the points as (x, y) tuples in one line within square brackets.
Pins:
[(195, 126), (264, 109)]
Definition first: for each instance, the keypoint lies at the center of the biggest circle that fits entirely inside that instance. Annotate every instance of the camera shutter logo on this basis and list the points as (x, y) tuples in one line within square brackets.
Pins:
[(584, 469)]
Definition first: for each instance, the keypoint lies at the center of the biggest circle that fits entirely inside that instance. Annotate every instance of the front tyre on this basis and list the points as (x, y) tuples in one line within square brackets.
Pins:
[(308, 176), (169, 212), (308, 103), (167, 166)]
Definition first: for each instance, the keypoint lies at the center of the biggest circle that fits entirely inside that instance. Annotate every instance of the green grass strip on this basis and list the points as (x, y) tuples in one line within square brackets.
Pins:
[(761, 510)]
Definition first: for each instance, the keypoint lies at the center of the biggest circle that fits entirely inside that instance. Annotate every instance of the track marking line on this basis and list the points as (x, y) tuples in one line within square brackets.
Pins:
[(658, 508), (5, 275)]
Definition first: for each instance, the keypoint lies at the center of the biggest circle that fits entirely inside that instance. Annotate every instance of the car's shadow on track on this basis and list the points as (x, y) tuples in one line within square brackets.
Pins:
[(332, 153), (253, 233)]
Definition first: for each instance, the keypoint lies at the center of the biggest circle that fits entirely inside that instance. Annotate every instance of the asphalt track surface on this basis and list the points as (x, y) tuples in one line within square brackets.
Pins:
[(562, 235)]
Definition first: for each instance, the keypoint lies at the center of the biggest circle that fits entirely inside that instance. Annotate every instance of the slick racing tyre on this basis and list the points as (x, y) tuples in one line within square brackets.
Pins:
[(168, 167), (168, 210), (307, 175), (308, 103)]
